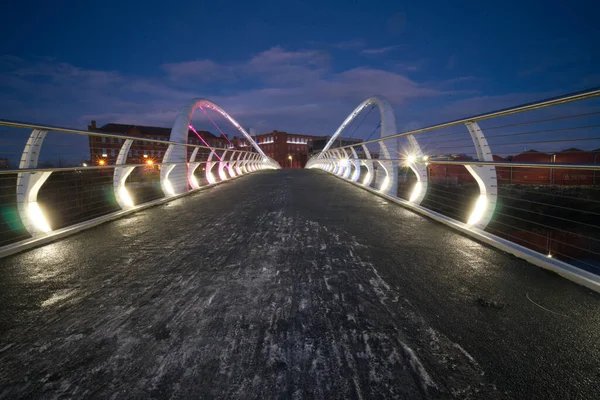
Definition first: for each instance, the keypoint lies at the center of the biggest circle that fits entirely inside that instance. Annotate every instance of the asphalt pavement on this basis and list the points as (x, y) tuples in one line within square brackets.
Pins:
[(289, 284)]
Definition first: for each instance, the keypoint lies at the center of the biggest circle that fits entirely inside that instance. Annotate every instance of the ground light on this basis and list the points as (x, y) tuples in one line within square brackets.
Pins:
[(385, 184), (478, 210), (125, 197), (367, 177), (101, 162), (416, 191), (37, 217)]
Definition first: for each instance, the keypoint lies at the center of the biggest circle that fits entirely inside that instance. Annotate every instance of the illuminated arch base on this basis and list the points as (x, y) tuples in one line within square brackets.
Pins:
[(174, 179), (387, 176)]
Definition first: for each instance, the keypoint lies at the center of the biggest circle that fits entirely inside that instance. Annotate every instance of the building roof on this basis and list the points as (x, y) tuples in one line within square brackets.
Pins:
[(146, 130)]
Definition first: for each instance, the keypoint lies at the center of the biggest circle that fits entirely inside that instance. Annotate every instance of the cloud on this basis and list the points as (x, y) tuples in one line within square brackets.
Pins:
[(279, 89), (382, 50), (274, 66)]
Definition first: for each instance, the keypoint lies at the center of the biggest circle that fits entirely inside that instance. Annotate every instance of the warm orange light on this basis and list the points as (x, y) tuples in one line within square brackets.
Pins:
[(101, 162), (149, 162)]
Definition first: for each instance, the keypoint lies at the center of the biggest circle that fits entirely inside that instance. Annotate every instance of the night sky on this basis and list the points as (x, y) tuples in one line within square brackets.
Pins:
[(289, 65)]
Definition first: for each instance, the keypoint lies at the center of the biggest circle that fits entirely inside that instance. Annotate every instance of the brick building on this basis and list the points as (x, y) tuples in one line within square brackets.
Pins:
[(105, 150), (290, 150)]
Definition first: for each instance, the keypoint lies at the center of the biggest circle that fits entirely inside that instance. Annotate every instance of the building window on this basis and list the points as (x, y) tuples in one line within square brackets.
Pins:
[(137, 153), (120, 140), (160, 153), (151, 153), (104, 153), (130, 153), (112, 152), (103, 139)]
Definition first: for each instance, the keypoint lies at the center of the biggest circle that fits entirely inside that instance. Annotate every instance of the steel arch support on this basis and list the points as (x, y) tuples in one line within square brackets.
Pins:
[(389, 183), (369, 164), (220, 170), (29, 184), (237, 164), (347, 165), (230, 166), (192, 166), (416, 164), (244, 163), (356, 163), (208, 170), (120, 175), (486, 179)]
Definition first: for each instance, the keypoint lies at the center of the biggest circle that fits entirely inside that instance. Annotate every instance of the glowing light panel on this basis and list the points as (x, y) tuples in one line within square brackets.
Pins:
[(478, 210), (37, 217)]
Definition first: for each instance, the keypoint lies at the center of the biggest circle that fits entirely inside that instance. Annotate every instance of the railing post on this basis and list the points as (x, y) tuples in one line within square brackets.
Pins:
[(230, 165), (120, 175), (29, 184), (356, 164), (244, 162), (486, 179), (369, 164), (415, 161), (193, 165), (347, 165), (237, 164), (222, 174), (389, 183), (209, 176)]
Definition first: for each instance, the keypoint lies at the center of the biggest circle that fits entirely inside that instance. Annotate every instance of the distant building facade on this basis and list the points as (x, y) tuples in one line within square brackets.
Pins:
[(290, 150), (105, 150)]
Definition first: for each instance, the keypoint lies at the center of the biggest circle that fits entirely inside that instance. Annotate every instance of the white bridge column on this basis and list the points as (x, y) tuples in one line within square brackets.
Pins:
[(356, 164), (192, 166), (415, 160), (486, 179), (222, 164), (209, 164), (369, 164), (29, 184), (389, 183), (347, 164), (120, 175), (230, 166)]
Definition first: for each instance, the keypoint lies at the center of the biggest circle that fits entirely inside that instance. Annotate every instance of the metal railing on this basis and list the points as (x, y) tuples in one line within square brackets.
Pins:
[(526, 176), (54, 180)]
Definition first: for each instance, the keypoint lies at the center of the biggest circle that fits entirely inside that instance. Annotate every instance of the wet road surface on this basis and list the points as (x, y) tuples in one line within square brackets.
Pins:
[(289, 284)]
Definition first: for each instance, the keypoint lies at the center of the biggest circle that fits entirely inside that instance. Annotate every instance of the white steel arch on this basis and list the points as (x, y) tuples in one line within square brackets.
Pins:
[(389, 182), (173, 179)]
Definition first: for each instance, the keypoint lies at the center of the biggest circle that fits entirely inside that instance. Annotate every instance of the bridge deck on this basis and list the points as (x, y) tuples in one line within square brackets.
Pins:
[(289, 283)]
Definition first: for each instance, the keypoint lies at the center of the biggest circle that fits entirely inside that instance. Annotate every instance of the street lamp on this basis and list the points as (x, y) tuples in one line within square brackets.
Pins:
[(290, 158)]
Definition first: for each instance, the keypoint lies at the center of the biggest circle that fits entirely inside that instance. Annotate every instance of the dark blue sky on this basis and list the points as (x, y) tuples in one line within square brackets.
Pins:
[(289, 65)]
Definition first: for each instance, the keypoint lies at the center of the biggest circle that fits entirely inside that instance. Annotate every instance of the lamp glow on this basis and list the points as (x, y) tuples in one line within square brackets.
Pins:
[(410, 159), (37, 217), (384, 185), (415, 192), (125, 197), (211, 178), (101, 162), (477, 213), (425, 158), (194, 182), (169, 188)]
